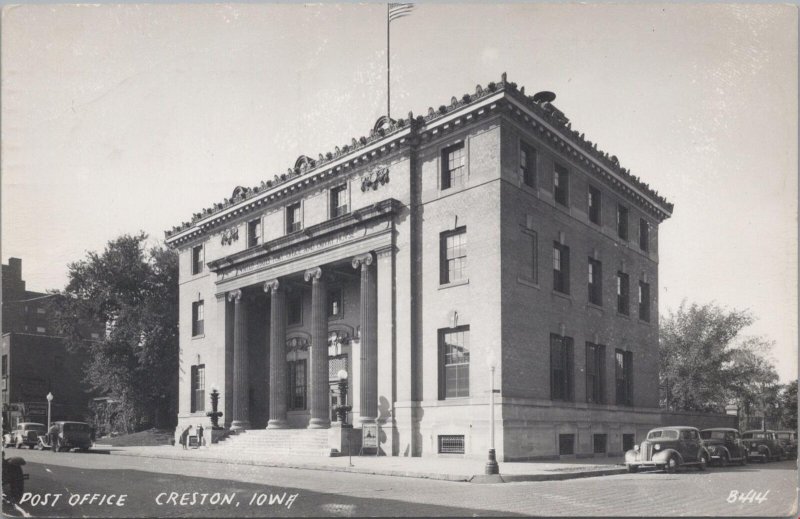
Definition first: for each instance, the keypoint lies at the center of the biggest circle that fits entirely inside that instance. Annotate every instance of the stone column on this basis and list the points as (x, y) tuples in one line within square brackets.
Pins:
[(241, 384), (277, 355), (369, 348), (320, 387)]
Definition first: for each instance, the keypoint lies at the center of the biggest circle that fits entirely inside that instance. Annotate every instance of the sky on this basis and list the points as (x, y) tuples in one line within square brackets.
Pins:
[(124, 118)]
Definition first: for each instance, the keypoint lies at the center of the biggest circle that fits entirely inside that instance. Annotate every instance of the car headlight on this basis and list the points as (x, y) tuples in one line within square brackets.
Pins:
[(636, 448), (657, 446)]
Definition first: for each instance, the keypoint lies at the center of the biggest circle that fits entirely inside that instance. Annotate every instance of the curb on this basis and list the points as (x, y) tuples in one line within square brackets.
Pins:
[(478, 479)]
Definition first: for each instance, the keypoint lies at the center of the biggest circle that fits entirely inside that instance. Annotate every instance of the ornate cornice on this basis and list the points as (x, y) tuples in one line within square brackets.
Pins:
[(389, 135), (362, 217)]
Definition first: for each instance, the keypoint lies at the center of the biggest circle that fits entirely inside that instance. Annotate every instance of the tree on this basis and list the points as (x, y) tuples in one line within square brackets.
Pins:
[(704, 362), (787, 403), (133, 291)]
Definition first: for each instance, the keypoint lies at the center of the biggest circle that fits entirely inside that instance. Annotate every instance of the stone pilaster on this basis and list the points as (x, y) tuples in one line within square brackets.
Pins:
[(369, 339), (277, 355), (319, 397), (241, 384)]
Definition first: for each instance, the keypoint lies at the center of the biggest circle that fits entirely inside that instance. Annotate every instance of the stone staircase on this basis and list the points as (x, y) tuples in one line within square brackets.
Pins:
[(257, 443)]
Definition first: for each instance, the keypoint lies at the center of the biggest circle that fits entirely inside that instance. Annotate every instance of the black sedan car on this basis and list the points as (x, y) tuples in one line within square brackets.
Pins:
[(724, 445)]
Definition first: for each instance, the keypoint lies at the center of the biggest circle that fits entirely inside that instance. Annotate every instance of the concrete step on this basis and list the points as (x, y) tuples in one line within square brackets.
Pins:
[(271, 442)]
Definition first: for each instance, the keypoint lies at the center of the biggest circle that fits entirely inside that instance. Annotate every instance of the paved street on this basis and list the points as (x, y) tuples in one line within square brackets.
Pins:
[(148, 482)]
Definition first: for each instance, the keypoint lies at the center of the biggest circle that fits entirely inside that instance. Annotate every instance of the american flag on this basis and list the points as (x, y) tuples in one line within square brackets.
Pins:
[(399, 10)]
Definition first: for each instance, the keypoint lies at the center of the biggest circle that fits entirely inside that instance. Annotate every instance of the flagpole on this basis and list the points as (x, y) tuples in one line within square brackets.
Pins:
[(388, 64)]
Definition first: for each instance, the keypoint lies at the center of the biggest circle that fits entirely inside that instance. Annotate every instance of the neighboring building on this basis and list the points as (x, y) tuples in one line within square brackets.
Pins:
[(486, 229), (34, 361)]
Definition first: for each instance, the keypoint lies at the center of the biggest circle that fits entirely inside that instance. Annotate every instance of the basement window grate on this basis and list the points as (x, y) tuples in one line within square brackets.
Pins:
[(451, 444)]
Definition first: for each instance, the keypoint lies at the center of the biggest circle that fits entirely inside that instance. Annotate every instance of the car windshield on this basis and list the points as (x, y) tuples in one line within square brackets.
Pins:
[(37, 428), (712, 435), (667, 434), (756, 435), (76, 427)]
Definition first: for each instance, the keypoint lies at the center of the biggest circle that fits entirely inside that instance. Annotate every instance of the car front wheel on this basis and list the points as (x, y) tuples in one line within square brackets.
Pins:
[(15, 483), (672, 465)]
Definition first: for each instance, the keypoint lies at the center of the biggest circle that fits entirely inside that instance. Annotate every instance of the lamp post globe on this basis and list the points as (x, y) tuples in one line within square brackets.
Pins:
[(49, 399)]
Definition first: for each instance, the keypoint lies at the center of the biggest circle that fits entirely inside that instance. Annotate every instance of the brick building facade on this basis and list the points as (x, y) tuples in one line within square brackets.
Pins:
[(34, 360), (484, 232)]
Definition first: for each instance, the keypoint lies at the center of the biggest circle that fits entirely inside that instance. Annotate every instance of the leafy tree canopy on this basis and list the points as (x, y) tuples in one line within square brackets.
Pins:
[(706, 364), (134, 293)]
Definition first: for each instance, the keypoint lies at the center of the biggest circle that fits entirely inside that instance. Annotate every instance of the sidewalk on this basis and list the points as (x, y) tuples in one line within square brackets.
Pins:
[(449, 469)]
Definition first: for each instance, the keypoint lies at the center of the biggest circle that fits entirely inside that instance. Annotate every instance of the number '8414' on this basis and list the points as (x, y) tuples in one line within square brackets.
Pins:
[(751, 497)]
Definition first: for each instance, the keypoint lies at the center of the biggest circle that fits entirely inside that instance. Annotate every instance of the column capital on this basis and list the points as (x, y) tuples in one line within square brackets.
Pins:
[(271, 285), (364, 260), (235, 295), (313, 273)]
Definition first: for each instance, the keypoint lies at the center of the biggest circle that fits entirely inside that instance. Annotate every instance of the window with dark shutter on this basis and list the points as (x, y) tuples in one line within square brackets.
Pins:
[(595, 282), (561, 367)]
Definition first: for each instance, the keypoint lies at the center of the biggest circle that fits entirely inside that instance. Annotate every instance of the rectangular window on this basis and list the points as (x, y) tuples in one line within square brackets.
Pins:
[(644, 235), (339, 203), (451, 444), (623, 296), (530, 268), (560, 268), (253, 232), (595, 205), (644, 301), (623, 375), (293, 220), (527, 164), (294, 308), (453, 255), (197, 259), (453, 166), (197, 318), (561, 363), (335, 302), (622, 222), (41, 329), (198, 397), (628, 441), (595, 373), (566, 444), (454, 363), (600, 441), (5, 366), (297, 384), (595, 282), (561, 184)]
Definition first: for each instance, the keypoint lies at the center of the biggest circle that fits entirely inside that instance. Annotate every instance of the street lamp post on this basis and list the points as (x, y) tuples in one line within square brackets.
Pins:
[(492, 467), (49, 400)]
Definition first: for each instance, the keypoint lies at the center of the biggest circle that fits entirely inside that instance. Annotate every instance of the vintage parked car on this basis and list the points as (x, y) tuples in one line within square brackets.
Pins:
[(763, 445), (71, 435), (788, 440), (13, 478), (25, 433), (668, 448), (724, 445)]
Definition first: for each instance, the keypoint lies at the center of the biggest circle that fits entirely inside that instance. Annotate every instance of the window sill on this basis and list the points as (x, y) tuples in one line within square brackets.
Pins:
[(562, 295), (595, 306), (528, 282), (623, 316), (642, 321), (201, 336), (456, 283)]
